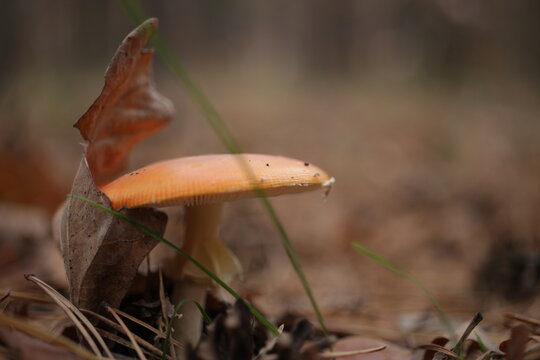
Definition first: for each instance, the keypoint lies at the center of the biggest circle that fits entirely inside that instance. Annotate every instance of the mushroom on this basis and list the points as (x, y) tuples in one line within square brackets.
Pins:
[(202, 184)]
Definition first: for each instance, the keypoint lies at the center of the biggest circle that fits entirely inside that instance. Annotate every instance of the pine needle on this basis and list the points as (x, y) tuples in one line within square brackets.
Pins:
[(338, 354), (210, 274), (136, 346), (119, 328), (45, 335), (119, 340), (78, 319)]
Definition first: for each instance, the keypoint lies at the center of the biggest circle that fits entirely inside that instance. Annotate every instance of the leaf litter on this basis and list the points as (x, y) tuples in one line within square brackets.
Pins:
[(102, 254)]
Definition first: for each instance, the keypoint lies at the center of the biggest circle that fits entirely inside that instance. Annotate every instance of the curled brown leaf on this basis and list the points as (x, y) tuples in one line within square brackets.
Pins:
[(128, 109)]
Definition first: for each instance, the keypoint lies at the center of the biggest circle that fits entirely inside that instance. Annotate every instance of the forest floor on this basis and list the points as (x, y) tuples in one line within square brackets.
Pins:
[(443, 183)]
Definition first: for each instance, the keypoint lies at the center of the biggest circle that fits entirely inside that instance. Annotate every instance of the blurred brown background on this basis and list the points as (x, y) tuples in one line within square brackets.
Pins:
[(426, 112)]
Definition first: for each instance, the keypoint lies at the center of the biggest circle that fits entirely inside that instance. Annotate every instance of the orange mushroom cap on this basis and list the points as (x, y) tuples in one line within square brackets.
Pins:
[(207, 179)]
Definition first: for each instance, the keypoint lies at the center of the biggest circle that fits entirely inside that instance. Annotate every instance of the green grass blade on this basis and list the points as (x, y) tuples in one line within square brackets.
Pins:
[(481, 343), (168, 332), (445, 321), (175, 65), (291, 253), (134, 9), (210, 274), (206, 318)]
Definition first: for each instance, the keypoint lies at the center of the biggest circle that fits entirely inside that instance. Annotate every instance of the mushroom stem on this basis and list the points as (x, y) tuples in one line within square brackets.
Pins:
[(201, 242), (188, 326), (202, 227), (202, 180)]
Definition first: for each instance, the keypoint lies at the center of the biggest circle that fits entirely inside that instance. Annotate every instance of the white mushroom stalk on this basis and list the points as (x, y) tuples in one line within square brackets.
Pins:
[(201, 241)]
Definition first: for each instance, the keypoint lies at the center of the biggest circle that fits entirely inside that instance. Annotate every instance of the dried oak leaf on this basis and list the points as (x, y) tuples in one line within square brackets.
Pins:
[(128, 109), (102, 252), (515, 347)]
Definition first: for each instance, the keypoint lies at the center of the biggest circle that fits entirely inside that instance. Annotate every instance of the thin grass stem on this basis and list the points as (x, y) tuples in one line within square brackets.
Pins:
[(437, 307), (134, 9), (210, 274)]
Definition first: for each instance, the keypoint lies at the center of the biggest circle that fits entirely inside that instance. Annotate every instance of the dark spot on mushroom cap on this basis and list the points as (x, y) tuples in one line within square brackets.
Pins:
[(267, 164), (306, 163)]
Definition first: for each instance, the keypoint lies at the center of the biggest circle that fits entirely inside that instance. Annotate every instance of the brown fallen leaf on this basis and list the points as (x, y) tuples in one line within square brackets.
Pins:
[(128, 109), (102, 252), (515, 347)]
